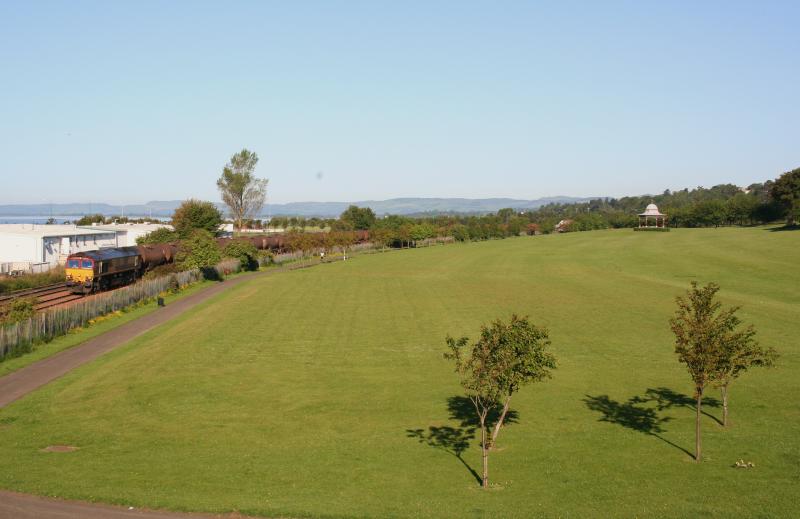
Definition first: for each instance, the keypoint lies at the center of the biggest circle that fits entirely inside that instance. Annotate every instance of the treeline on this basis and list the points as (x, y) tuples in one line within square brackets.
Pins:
[(724, 204)]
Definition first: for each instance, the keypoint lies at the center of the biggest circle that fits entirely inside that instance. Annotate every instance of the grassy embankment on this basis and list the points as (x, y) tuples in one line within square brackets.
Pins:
[(295, 395), (100, 325), (9, 284)]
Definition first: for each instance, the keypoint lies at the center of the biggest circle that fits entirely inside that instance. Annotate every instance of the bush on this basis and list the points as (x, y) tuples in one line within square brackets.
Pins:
[(198, 251), (265, 257), (19, 310), (161, 271), (174, 284), (244, 251)]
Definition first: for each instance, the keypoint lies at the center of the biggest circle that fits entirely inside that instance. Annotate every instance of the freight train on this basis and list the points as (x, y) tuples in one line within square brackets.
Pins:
[(99, 270)]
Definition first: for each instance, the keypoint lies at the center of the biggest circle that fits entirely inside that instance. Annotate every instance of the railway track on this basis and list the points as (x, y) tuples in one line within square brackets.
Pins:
[(46, 296), (56, 299), (33, 292)]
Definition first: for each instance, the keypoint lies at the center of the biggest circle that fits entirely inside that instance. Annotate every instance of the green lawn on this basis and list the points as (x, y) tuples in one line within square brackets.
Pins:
[(296, 394)]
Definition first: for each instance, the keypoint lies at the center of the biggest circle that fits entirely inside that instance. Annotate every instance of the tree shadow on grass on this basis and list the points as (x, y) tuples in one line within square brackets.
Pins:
[(462, 410), (453, 440), (784, 228), (665, 398), (632, 415), (456, 440)]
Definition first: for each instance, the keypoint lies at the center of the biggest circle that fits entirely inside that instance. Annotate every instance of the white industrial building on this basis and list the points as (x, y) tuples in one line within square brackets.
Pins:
[(36, 248), (127, 233)]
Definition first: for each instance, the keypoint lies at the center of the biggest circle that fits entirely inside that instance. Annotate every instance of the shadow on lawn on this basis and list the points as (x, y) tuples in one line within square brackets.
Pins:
[(784, 228), (641, 413), (456, 440)]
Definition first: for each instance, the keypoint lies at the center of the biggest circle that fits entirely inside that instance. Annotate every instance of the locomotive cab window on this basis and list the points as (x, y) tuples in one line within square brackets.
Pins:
[(87, 264), (73, 264)]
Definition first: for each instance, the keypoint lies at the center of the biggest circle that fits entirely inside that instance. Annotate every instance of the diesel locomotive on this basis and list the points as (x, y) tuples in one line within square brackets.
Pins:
[(99, 270)]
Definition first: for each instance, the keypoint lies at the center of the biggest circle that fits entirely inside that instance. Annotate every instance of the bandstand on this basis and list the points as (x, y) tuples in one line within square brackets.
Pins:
[(652, 214)]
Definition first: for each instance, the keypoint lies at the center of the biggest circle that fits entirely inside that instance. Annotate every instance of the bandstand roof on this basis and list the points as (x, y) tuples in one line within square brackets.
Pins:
[(651, 210)]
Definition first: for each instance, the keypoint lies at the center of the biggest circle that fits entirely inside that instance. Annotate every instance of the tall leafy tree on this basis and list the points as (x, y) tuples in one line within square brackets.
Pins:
[(702, 331), (358, 218), (196, 214), (786, 191), (241, 190), (506, 357)]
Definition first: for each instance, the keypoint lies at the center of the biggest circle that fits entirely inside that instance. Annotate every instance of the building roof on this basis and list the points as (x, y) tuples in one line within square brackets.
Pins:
[(145, 227), (651, 210), (48, 231)]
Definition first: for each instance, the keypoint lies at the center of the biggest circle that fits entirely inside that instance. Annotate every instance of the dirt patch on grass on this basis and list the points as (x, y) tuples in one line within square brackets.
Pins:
[(60, 448)]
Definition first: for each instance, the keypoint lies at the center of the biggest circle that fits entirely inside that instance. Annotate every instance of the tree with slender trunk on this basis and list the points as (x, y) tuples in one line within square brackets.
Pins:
[(701, 327), (504, 358), (242, 192), (739, 353)]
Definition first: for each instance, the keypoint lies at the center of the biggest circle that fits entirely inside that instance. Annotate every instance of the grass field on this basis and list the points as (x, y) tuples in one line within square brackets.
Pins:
[(299, 394)]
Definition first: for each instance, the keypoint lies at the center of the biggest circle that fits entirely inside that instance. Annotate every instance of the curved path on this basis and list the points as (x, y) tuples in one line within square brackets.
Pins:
[(23, 506)]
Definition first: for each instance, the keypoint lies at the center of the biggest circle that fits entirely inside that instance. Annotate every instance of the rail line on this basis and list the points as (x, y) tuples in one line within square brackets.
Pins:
[(46, 296), (37, 292), (56, 299)]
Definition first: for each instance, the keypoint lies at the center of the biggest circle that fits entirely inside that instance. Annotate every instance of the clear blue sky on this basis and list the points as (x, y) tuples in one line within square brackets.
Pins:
[(127, 102)]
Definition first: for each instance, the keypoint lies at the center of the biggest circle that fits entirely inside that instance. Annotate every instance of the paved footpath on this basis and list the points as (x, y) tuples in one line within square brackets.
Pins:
[(22, 506), (19, 383)]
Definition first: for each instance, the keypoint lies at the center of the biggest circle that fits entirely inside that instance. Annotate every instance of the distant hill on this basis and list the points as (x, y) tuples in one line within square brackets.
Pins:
[(411, 206), (402, 206)]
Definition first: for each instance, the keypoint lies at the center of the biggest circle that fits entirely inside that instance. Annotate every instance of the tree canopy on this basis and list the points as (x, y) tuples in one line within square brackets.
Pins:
[(196, 214), (358, 218), (242, 192), (786, 192), (160, 235)]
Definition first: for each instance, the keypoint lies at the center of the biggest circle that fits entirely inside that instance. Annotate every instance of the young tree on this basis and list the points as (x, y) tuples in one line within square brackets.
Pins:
[(421, 231), (196, 214), (381, 236), (506, 357), (739, 353), (702, 330), (242, 192)]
